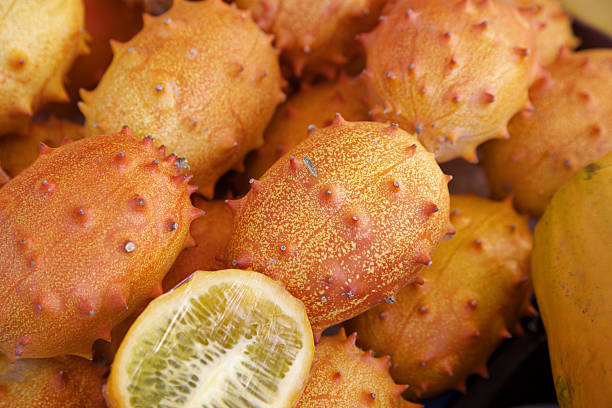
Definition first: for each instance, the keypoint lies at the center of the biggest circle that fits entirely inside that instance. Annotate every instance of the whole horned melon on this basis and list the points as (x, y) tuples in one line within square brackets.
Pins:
[(202, 79), (554, 27), (444, 329), (343, 376), (569, 127), (452, 71), (310, 108), (88, 232), (18, 151), (66, 382), (317, 37), (39, 40), (344, 219), (571, 275)]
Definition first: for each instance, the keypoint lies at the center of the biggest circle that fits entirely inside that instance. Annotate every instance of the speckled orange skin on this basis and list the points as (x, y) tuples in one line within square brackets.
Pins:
[(317, 37), (61, 382), (569, 127), (553, 25), (39, 40), (155, 7), (88, 232), (472, 297), (344, 376), (211, 234), (452, 71), (311, 107), (202, 79), (17, 152), (356, 233)]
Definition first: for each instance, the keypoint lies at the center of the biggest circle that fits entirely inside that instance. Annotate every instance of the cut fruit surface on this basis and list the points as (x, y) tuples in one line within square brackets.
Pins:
[(223, 339)]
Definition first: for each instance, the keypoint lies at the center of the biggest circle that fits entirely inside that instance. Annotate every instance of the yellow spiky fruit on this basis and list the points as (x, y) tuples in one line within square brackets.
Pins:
[(452, 71), (202, 79), (445, 328), (39, 40), (569, 126), (343, 376), (310, 108)]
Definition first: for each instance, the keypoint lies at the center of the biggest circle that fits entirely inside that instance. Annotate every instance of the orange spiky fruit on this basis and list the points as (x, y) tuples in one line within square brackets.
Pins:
[(452, 71), (441, 331), (202, 79), (18, 151), (343, 376), (569, 127), (345, 219), (88, 232), (67, 382), (39, 40), (310, 108), (211, 234), (318, 37), (554, 27)]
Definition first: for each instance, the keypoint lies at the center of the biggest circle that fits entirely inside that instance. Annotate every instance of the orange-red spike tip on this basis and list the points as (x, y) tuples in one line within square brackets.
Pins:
[(256, 186), (505, 334), (531, 311), (44, 149), (483, 371), (461, 387), (171, 158), (423, 259), (419, 281), (234, 205)]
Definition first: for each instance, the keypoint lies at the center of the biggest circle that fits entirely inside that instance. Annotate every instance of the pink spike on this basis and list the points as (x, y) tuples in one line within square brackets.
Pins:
[(243, 260), (518, 329), (316, 334), (419, 281), (234, 205), (411, 149), (294, 163), (195, 212), (461, 387), (162, 150), (171, 159), (530, 311), (157, 290), (447, 369), (338, 120), (398, 389), (125, 131), (431, 209), (256, 186), (483, 371), (352, 339), (44, 149), (522, 52), (423, 259), (191, 189), (505, 334)]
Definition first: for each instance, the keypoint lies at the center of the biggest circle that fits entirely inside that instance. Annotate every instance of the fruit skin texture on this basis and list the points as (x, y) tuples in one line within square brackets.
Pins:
[(344, 376), (314, 106), (18, 151), (73, 265), (61, 382), (211, 234), (569, 127), (319, 38), (345, 219), (39, 40), (202, 78), (475, 293), (452, 71), (571, 276), (554, 27)]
